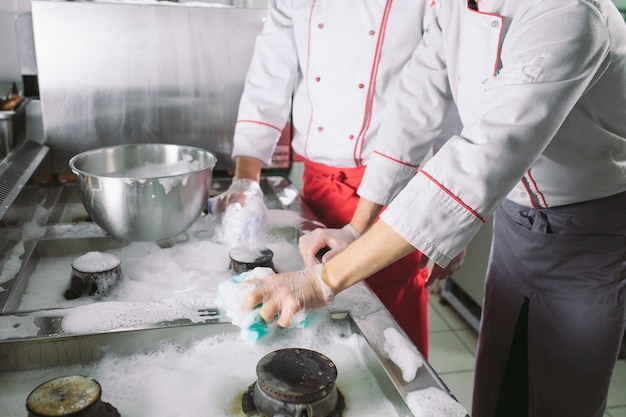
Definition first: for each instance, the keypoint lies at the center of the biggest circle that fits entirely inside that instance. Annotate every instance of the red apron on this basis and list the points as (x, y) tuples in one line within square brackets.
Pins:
[(331, 193)]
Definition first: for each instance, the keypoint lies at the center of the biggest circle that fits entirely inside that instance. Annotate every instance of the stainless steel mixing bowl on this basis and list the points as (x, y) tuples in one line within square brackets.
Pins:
[(144, 192)]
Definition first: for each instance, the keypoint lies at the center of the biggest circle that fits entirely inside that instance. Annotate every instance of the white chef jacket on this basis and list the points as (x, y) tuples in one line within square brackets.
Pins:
[(541, 90), (340, 60)]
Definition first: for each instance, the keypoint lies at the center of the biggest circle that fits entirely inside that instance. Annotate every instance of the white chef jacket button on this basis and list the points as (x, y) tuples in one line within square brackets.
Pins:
[(361, 85), (372, 32), (320, 128), (351, 137), (523, 195), (320, 25), (495, 24), (318, 79)]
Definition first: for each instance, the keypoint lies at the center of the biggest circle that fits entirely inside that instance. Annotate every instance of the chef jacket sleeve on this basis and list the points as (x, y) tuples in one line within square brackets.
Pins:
[(550, 56), (265, 104), (408, 133)]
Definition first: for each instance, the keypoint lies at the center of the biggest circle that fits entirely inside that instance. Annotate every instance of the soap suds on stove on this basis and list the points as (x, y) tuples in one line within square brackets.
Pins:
[(177, 379), (95, 261)]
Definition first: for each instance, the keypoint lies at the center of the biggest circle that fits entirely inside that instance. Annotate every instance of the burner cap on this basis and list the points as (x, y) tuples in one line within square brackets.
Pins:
[(296, 375), (294, 382), (93, 274), (245, 258), (74, 395), (63, 396)]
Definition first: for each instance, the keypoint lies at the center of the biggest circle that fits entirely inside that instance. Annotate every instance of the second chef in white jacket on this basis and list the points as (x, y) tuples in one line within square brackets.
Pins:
[(333, 66)]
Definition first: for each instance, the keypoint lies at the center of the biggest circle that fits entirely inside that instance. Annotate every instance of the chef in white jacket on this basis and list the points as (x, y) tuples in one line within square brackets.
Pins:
[(540, 86), (340, 61)]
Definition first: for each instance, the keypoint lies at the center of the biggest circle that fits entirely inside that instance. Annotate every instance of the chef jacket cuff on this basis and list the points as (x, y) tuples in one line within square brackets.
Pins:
[(256, 140), (384, 178), (431, 220)]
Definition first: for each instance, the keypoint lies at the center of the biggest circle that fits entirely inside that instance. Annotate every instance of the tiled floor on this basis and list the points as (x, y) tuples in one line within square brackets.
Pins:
[(452, 347)]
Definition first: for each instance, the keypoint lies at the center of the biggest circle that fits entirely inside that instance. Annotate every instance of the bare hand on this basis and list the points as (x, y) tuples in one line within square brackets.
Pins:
[(439, 273)]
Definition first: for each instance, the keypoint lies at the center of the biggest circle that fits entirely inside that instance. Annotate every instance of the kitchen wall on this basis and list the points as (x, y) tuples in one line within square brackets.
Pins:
[(112, 73), (11, 9), (9, 60)]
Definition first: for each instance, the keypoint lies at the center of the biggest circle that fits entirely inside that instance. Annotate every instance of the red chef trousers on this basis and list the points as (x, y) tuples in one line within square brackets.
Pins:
[(331, 193)]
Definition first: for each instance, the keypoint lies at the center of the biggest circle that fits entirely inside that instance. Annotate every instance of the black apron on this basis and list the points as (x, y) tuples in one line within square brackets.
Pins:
[(554, 310)]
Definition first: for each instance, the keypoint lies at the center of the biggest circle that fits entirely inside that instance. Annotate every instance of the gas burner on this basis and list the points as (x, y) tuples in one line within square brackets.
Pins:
[(93, 274), (245, 258), (75, 396), (294, 383)]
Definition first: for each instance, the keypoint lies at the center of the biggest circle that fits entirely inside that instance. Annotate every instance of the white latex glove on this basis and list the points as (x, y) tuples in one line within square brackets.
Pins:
[(243, 213), (240, 191), (438, 273), (284, 295), (335, 239)]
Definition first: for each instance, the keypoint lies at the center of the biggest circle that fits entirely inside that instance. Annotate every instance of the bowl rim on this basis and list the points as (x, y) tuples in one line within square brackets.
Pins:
[(73, 160)]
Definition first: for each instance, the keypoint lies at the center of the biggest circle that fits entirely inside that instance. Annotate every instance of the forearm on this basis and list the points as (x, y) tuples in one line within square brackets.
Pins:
[(379, 247), (364, 215), (248, 167)]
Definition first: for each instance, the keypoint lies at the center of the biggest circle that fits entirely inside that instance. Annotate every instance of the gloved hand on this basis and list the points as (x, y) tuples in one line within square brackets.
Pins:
[(284, 295), (439, 273), (335, 239), (243, 213), (240, 191)]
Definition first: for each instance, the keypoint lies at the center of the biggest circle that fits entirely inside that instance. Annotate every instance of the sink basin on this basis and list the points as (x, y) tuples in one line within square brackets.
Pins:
[(64, 232), (68, 208), (55, 254)]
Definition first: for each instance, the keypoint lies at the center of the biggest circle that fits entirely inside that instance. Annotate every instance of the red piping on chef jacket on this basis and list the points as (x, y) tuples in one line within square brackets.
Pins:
[(495, 64), (454, 197), (369, 103), (308, 93), (396, 160), (259, 123), (534, 192)]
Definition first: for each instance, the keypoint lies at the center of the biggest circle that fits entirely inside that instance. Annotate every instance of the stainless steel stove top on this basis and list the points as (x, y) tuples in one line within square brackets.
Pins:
[(48, 220)]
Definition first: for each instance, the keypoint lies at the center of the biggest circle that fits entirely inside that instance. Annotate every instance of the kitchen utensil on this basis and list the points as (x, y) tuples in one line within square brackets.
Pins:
[(72, 395), (94, 274), (144, 192)]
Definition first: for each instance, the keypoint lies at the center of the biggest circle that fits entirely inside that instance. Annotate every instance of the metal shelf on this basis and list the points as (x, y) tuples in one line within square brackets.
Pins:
[(16, 169)]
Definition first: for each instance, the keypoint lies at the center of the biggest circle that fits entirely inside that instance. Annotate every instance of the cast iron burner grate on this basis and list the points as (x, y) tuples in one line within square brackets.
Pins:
[(296, 383)]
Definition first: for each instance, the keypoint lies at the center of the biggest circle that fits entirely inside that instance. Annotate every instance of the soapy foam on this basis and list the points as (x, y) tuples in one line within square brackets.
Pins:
[(13, 261), (149, 273), (402, 353), (279, 218), (245, 253), (169, 175), (95, 261), (158, 170), (176, 379), (432, 402)]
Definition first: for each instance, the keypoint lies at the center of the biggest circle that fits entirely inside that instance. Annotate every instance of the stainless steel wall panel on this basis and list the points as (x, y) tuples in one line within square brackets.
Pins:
[(113, 73)]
